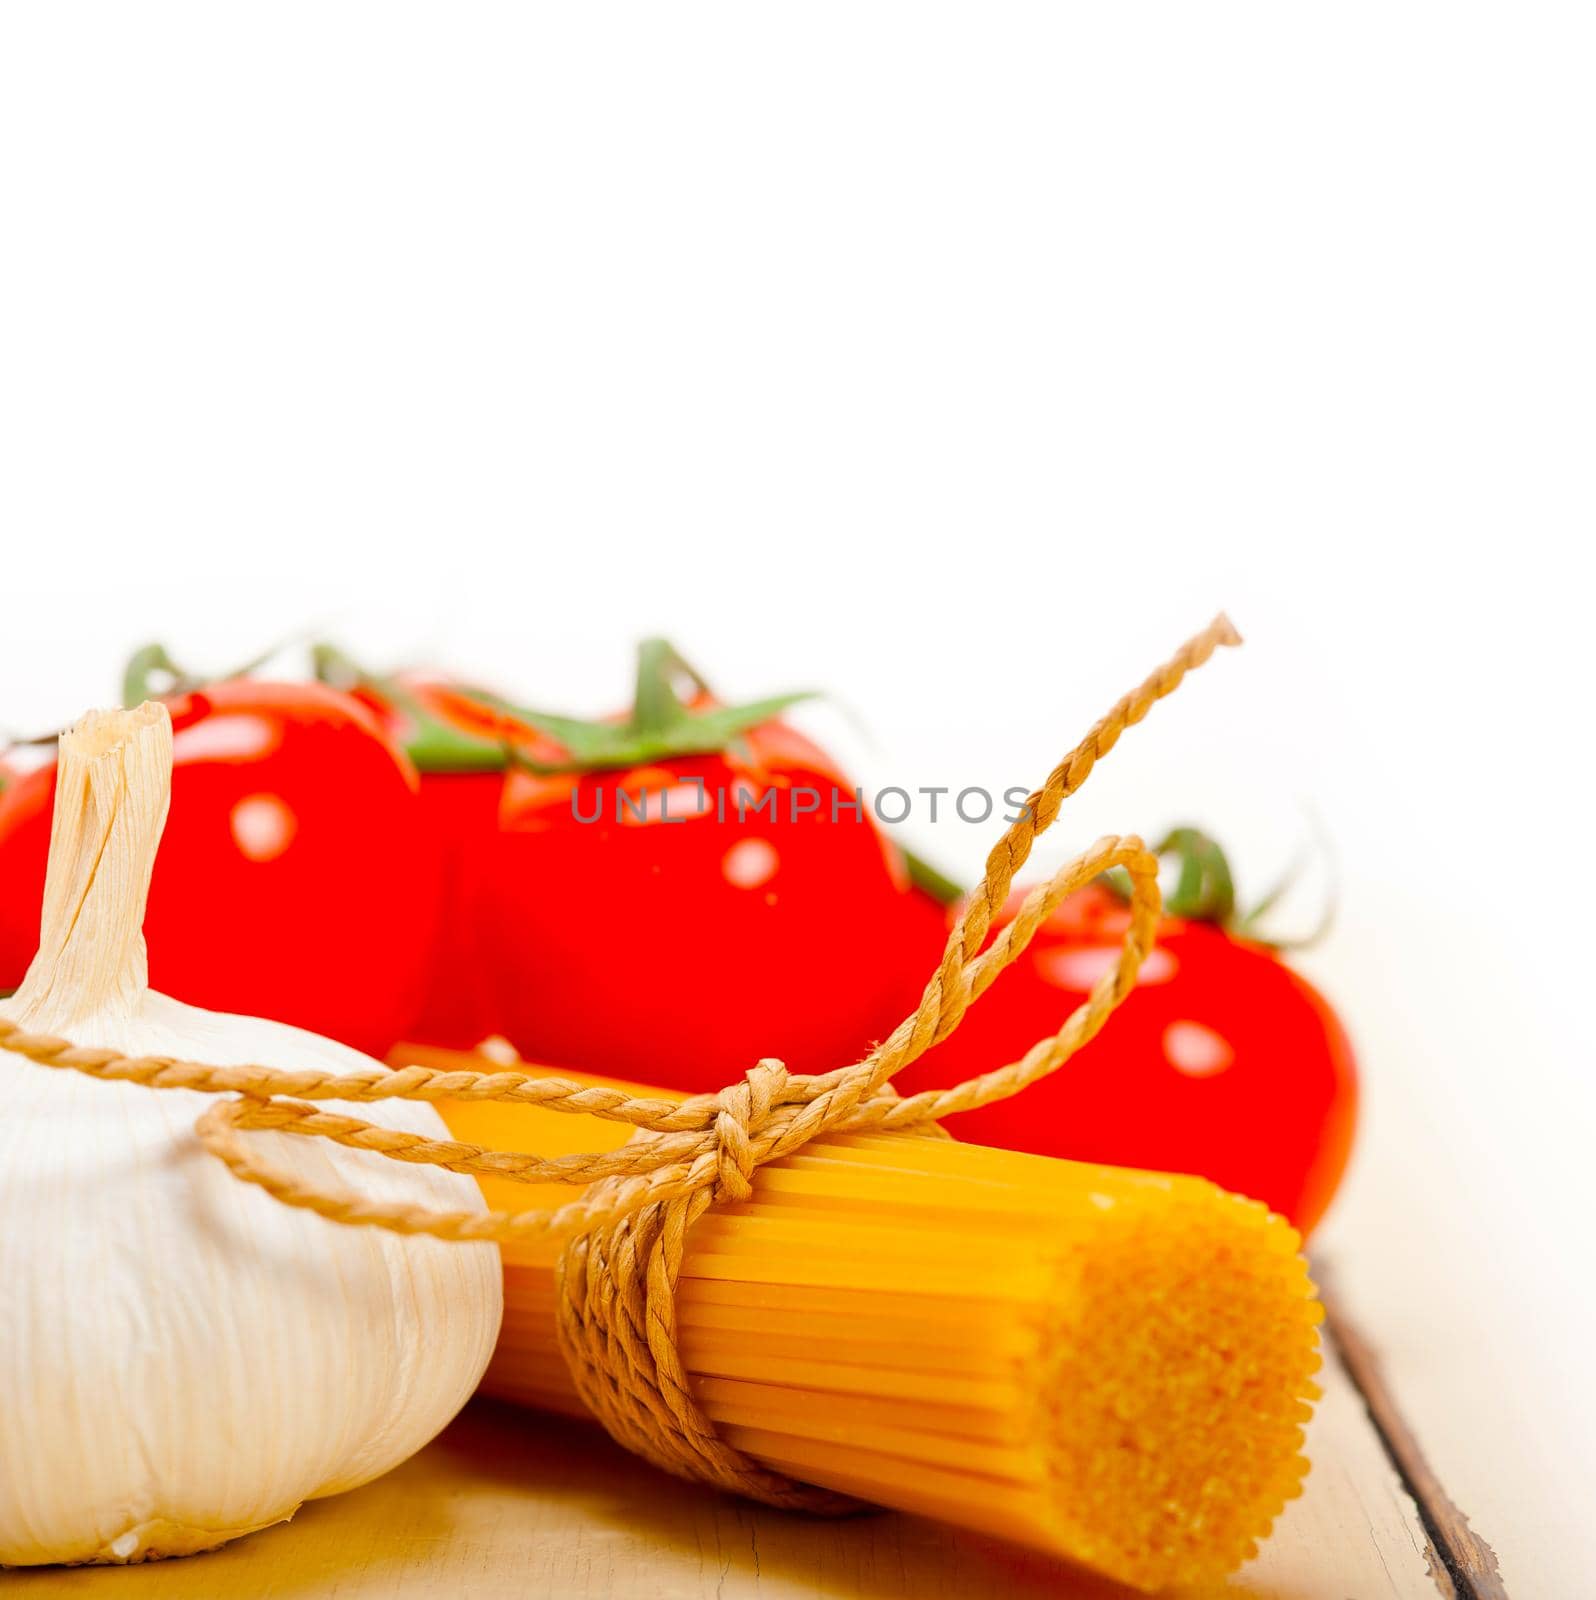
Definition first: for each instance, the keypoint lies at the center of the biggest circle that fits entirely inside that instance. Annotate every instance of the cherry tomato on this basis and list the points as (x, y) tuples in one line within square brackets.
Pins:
[(295, 880), (630, 919), (1222, 1061), (677, 917)]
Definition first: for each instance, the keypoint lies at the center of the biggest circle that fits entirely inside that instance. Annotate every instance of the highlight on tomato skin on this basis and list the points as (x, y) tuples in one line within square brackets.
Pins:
[(1223, 1061), (295, 880)]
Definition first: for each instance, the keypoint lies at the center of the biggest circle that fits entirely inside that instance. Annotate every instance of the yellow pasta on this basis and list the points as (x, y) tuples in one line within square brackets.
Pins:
[(1112, 1366)]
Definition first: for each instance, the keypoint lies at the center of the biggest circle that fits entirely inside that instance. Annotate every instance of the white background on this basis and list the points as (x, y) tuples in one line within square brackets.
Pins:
[(956, 360)]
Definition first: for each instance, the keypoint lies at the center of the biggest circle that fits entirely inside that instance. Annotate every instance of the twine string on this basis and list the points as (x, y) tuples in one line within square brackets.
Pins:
[(626, 1232)]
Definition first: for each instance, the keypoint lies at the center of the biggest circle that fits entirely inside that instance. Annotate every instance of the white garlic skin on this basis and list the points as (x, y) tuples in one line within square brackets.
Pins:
[(184, 1360)]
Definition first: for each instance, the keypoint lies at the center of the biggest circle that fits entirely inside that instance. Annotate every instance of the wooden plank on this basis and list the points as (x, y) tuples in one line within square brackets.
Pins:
[(509, 1504), (1468, 1566)]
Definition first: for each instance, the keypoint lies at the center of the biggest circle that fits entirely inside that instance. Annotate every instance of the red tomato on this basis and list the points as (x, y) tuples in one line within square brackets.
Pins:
[(1222, 1061), (680, 945), (295, 880)]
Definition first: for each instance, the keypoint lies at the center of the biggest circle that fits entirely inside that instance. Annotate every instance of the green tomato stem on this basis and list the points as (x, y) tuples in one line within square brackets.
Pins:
[(432, 744), (142, 668)]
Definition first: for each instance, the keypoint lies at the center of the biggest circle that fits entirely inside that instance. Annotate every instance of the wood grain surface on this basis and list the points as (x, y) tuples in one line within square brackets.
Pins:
[(509, 1503)]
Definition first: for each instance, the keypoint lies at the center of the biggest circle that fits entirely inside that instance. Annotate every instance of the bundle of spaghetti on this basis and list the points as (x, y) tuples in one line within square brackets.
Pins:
[(1112, 1366)]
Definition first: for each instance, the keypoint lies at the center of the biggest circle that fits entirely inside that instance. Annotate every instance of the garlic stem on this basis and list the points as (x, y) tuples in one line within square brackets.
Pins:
[(113, 783)]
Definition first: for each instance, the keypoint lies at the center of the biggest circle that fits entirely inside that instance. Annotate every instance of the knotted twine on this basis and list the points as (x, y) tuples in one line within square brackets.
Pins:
[(626, 1232)]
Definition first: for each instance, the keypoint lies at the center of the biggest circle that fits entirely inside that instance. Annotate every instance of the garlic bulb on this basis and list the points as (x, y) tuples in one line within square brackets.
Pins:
[(182, 1359)]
